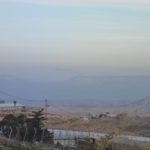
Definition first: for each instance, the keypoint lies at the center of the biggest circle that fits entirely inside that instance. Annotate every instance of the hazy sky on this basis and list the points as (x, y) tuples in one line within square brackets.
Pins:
[(81, 35), (62, 39)]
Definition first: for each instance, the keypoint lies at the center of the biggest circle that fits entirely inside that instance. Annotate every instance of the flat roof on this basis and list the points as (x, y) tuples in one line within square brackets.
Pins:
[(10, 105)]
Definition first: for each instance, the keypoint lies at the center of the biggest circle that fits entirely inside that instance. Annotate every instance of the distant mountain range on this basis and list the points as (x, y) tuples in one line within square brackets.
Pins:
[(140, 107), (81, 93)]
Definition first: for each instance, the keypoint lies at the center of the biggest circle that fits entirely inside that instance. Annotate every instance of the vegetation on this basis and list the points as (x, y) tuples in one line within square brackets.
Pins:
[(21, 147), (23, 128)]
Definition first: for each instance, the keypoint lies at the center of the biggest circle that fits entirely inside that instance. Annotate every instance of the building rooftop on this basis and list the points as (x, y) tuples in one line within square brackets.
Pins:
[(10, 105)]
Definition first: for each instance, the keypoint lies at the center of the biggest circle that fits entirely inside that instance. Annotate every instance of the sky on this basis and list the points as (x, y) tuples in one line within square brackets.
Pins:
[(44, 41)]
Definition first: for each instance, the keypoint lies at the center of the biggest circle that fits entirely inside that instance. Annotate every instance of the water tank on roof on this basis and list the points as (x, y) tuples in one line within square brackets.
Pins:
[(2, 101)]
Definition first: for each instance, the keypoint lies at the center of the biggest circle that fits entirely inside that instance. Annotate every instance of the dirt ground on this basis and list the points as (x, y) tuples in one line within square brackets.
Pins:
[(120, 125)]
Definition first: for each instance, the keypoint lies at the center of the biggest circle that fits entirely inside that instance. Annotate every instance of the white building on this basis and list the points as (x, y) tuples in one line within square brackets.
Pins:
[(11, 106)]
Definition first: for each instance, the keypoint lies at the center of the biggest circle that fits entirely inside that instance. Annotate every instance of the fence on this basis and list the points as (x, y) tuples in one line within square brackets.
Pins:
[(91, 144)]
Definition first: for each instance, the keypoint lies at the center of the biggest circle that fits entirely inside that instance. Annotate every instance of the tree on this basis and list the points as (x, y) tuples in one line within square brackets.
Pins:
[(37, 119), (26, 128), (11, 122), (36, 130)]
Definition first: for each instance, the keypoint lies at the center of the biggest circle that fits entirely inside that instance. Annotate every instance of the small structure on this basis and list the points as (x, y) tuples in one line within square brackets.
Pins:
[(108, 115), (85, 118), (111, 115), (11, 106)]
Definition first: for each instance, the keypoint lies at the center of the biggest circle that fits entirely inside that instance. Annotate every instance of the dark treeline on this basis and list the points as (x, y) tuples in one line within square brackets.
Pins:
[(23, 128)]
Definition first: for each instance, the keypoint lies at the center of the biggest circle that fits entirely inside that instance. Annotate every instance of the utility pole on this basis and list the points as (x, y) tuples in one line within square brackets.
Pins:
[(46, 106), (15, 104)]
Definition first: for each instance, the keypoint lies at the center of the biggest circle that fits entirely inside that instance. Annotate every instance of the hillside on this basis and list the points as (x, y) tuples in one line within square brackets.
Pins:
[(139, 107)]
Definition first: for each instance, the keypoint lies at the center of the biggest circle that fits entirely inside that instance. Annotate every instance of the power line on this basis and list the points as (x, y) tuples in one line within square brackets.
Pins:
[(17, 97), (37, 102)]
